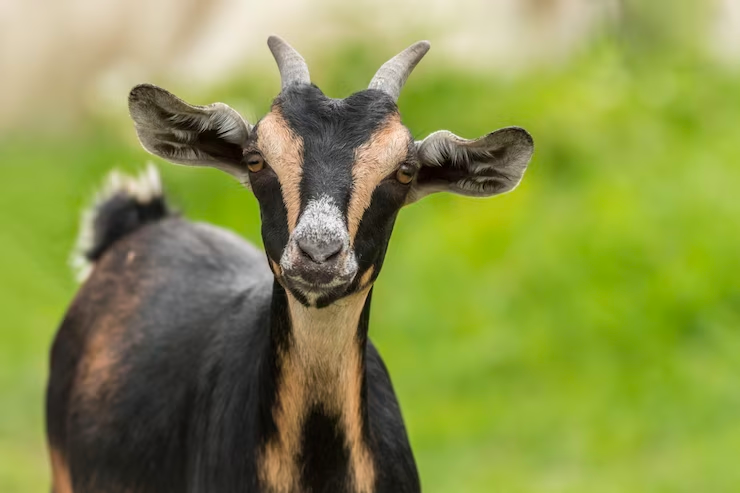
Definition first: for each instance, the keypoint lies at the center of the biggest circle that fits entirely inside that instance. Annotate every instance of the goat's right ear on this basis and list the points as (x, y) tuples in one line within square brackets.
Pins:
[(174, 130)]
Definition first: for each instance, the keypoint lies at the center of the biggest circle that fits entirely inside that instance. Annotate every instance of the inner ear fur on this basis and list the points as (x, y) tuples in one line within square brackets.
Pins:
[(490, 165), (168, 127)]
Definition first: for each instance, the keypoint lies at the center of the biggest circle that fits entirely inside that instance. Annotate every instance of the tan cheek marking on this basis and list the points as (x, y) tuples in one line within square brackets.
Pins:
[(375, 160), (365, 279), (61, 480), (276, 269), (283, 151)]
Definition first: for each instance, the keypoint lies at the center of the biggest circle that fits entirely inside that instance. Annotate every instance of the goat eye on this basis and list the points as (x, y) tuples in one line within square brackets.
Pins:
[(255, 162), (405, 175)]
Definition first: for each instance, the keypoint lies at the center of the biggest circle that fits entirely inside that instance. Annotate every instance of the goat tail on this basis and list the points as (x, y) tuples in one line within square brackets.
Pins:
[(123, 204)]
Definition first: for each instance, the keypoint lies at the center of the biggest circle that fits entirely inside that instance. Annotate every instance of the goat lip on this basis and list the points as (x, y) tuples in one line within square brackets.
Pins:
[(312, 278), (318, 284)]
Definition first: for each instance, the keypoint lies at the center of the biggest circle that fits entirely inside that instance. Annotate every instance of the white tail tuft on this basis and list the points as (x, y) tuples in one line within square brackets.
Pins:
[(144, 188)]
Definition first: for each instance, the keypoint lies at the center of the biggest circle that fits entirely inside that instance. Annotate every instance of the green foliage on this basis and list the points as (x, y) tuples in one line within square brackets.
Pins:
[(580, 334)]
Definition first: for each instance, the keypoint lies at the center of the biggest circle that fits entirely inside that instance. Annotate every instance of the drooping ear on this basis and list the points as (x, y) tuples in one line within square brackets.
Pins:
[(174, 130), (483, 167)]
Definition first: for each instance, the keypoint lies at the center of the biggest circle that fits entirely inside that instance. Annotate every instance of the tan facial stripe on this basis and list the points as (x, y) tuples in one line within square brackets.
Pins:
[(283, 151), (375, 160)]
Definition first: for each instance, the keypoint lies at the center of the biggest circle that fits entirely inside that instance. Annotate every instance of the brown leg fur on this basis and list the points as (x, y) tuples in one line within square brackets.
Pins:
[(61, 481)]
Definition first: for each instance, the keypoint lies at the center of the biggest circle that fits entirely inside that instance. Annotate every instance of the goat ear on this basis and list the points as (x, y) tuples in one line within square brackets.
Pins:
[(174, 130), (489, 165)]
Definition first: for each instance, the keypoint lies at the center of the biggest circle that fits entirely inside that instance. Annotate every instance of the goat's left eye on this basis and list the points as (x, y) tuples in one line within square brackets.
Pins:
[(255, 162), (405, 174)]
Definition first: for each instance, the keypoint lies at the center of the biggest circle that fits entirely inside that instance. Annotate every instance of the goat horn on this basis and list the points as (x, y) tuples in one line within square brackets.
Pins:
[(391, 77), (292, 66)]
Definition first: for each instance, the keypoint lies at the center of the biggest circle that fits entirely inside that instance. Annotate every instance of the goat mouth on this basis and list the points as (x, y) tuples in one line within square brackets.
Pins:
[(317, 279), (311, 283)]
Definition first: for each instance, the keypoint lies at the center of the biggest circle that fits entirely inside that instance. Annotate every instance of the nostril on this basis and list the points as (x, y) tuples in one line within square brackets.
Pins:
[(320, 250), (333, 255)]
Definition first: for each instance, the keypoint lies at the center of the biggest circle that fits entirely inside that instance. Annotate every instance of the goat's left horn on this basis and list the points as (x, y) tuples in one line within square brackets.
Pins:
[(292, 66), (391, 77)]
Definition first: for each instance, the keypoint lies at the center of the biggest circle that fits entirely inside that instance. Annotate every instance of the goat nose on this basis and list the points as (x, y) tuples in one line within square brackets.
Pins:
[(320, 249)]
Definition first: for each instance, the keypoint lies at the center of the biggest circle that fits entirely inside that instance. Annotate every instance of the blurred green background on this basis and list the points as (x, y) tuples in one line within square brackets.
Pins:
[(581, 334)]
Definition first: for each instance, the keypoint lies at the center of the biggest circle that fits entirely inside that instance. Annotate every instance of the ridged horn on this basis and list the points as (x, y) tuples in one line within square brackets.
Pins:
[(391, 77), (292, 66)]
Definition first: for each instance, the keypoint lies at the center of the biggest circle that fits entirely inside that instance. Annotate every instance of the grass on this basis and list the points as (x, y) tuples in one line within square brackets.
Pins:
[(578, 335)]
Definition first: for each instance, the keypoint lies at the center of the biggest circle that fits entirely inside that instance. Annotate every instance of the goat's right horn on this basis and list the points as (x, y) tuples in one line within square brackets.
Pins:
[(392, 75), (292, 66)]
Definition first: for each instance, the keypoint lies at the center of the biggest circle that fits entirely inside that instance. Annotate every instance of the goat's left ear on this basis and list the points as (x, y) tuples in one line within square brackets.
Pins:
[(489, 165)]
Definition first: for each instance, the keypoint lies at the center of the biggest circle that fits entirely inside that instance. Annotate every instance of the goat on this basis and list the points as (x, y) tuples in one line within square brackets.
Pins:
[(188, 363)]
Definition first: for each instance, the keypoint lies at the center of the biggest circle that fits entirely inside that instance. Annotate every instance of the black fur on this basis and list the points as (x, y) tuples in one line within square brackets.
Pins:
[(323, 454), (118, 216)]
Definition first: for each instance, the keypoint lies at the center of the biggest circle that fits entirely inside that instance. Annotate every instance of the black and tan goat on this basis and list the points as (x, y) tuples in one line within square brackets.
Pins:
[(188, 363)]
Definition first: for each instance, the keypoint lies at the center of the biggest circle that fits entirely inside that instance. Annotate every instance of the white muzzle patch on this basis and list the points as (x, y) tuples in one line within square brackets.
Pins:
[(318, 257)]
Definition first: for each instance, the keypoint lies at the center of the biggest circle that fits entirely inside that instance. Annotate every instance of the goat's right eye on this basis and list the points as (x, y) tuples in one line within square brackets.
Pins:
[(405, 174), (255, 162)]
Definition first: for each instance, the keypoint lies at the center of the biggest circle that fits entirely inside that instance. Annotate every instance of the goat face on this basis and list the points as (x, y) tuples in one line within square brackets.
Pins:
[(330, 175)]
